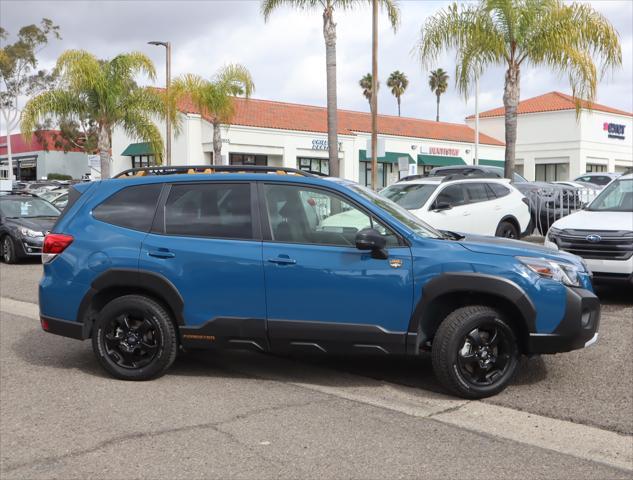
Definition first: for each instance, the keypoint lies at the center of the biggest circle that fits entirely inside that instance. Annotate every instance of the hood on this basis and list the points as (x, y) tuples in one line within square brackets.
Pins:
[(41, 224), (514, 248), (602, 221)]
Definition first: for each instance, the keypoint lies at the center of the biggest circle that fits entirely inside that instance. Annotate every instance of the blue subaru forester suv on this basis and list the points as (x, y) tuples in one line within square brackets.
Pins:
[(165, 259)]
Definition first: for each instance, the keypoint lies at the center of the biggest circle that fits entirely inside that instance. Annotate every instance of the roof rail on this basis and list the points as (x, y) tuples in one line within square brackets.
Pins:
[(208, 169), (413, 177), (469, 176)]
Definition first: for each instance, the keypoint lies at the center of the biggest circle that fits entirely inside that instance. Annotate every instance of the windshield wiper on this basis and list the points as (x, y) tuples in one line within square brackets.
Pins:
[(451, 235)]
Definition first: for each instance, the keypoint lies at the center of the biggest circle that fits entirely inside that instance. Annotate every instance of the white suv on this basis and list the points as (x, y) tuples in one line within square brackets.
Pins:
[(602, 233), (483, 206)]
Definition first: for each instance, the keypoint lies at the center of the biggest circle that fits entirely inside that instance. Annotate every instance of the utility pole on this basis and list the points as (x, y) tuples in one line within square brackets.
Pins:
[(476, 162), (167, 46), (374, 97)]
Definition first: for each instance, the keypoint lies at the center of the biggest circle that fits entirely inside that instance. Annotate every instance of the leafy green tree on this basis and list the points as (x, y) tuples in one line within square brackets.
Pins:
[(438, 81), (329, 34), (105, 93), (398, 82), (215, 96), (365, 84), (566, 38), (18, 74)]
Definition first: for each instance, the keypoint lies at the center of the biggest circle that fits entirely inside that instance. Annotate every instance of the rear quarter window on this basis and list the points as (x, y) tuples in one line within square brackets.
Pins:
[(132, 207), (499, 190)]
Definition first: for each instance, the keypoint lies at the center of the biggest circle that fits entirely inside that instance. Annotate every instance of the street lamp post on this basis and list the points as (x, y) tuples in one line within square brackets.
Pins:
[(167, 46)]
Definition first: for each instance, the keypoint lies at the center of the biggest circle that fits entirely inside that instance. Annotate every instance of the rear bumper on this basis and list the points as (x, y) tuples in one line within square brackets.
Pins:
[(577, 329), (63, 327)]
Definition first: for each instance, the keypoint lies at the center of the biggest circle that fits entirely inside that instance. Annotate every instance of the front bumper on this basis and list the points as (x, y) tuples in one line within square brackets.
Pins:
[(31, 246), (577, 329)]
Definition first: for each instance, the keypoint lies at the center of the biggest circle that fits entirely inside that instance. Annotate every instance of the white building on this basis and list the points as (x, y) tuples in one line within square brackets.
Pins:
[(553, 143), (271, 133)]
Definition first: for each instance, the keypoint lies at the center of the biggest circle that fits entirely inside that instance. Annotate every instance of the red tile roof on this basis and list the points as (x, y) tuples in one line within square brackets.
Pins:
[(20, 145), (307, 118), (551, 102)]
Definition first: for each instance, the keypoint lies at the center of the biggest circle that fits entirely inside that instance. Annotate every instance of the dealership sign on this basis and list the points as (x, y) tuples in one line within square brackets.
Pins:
[(615, 130), (319, 144), (449, 152)]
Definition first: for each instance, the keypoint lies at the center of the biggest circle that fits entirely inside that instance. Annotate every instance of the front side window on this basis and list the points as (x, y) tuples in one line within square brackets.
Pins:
[(213, 210), (452, 195), (132, 207), (617, 197), (312, 216)]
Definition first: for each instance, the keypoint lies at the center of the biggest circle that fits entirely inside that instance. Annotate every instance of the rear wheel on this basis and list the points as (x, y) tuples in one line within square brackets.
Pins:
[(134, 338), (475, 352), (507, 230), (9, 254)]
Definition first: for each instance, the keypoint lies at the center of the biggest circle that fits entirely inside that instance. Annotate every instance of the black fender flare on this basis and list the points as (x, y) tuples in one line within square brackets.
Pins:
[(121, 278), (467, 283)]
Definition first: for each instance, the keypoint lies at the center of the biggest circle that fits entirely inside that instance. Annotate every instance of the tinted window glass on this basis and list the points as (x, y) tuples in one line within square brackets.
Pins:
[(601, 180), (132, 207), (453, 195), (410, 196), (476, 192), (499, 190), (209, 210), (312, 216)]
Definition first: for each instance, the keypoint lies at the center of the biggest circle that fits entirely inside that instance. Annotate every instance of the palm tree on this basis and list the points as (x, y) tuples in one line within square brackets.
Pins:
[(103, 92), (438, 81), (329, 34), (564, 37), (215, 97), (365, 84), (398, 82)]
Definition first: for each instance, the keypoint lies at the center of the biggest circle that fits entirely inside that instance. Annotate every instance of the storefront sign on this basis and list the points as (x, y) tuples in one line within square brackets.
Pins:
[(320, 144), (449, 152), (615, 130)]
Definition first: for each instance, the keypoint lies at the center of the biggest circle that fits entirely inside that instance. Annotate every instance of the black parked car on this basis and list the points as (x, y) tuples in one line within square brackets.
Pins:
[(24, 221)]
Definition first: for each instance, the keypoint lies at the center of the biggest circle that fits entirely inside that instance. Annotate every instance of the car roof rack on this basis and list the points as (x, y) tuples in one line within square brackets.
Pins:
[(413, 177), (209, 169), (469, 176)]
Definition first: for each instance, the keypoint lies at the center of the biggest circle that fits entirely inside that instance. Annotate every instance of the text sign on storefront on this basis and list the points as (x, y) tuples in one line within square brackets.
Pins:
[(614, 130), (320, 144), (449, 152)]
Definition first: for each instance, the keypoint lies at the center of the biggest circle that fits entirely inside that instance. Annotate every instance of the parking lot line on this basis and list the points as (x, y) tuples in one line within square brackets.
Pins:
[(561, 436)]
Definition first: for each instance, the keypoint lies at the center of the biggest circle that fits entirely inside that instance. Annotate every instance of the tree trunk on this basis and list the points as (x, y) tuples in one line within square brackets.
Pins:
[(217, 143), (437, 115), (329, 34), (511, 103), (398, 98), (9, 122), (104, 151)]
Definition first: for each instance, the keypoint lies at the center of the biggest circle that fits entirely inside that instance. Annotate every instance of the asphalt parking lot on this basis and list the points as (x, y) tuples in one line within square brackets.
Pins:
[(246, 415)]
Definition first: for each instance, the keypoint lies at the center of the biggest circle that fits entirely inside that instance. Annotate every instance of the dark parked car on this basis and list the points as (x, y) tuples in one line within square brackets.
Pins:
[(24, 221)]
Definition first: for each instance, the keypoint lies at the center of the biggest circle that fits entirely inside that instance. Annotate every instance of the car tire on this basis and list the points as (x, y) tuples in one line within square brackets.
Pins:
[(475, 352), (507, 229), (9, 253), (134, 338)]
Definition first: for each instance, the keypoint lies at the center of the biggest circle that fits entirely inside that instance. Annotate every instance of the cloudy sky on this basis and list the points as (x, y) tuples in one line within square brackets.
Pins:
[(286, 55)]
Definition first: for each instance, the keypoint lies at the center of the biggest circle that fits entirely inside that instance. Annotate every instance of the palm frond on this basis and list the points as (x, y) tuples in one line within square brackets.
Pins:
[(54, 103), (267, 7)]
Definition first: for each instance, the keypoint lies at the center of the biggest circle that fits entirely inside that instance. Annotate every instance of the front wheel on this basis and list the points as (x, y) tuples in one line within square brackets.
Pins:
[(134, 338), (9, 254), (475, 352)]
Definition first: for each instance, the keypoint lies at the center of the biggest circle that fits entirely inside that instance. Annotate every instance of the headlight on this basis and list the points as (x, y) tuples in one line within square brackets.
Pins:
[(27, 232), (561, 272), (552, 234)]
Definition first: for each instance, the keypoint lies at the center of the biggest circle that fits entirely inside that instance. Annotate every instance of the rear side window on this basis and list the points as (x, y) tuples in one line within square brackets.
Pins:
[(499, 190), (476, 192), (132, 207), (217, 210)]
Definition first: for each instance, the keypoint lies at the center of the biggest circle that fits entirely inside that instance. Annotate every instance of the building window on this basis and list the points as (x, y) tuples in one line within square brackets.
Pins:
[(550, 172), (140, 161), (320, 165), (384, 170), (247, 159), (593, 167)]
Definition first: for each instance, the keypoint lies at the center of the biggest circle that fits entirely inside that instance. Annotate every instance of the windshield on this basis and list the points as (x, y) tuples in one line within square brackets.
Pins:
[(27, 208), (411, 196), (616, 197), (404, 216)]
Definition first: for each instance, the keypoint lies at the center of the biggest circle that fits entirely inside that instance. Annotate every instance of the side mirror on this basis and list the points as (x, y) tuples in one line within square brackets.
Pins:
[(439, 206), (370, 239)]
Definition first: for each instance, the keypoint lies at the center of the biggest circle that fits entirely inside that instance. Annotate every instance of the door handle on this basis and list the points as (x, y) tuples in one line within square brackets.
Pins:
[(161, 253), (466, 214), (282, 261)]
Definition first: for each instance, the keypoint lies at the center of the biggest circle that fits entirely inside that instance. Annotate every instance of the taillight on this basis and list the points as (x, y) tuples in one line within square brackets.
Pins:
[(54, 244)]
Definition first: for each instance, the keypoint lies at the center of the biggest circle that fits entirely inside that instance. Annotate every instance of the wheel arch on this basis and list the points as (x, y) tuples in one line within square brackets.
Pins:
[(513, 220), (450, 291), (118, 282)]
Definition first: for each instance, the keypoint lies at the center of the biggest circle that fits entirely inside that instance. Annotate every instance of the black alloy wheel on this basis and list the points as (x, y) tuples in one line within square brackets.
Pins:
[(8, 250), (475, 352), (134, 338)]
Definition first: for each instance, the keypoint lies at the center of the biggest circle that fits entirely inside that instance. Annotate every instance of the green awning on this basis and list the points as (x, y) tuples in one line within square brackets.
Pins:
[(135, 149), (439, 160), (492, 163), (390, 157)]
